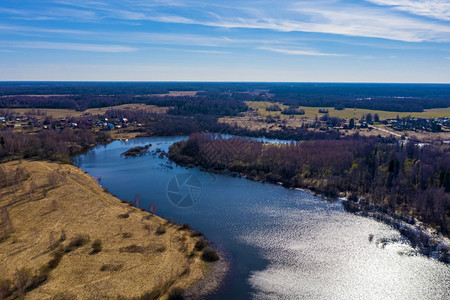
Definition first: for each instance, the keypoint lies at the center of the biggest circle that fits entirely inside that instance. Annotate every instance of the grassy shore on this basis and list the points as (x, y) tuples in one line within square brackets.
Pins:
[(63, 237)]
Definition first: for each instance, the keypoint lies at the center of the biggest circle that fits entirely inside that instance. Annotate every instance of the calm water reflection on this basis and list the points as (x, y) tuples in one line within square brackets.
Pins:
[(282, 244)]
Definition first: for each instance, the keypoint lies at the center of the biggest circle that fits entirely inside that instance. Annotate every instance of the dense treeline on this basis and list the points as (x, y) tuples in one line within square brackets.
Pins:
[(57, 145), (125, 88), (64, 102), (380, 103), (389, 97), (223, 105), (407, 180), (293, 111), (207, 105)]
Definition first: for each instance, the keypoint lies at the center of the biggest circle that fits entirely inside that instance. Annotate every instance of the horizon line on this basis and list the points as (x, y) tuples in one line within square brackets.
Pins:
[(200, 81)]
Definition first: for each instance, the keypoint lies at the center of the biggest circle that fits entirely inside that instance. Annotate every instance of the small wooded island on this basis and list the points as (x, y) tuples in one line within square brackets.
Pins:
[(137, 151)]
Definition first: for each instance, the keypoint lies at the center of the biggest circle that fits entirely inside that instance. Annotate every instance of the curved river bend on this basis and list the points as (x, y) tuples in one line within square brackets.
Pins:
[(281, 243)]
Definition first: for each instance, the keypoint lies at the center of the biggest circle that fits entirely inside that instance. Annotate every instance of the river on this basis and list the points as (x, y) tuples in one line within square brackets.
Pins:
[(281, 243)]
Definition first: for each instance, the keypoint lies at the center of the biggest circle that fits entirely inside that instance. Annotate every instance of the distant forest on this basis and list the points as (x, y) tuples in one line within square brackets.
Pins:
[(224, 98)]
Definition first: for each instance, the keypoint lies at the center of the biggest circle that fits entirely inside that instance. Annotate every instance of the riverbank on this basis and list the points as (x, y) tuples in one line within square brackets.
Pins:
[(422, 238), (62, 235)]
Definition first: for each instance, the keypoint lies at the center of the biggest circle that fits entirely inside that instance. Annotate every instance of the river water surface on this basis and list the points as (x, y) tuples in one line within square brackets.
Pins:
[(281, 243)]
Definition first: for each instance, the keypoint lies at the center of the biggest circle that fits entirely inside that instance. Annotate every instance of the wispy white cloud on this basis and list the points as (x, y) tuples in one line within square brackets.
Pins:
[(386, 19), (25, 29), (208, 51), (437, 9), (11, 11), (145, 38), (68, 46), (331, 17), (299, 52)]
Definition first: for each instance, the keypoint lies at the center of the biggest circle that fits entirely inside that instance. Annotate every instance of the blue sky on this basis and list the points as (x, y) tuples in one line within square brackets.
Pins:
[(265, 40)]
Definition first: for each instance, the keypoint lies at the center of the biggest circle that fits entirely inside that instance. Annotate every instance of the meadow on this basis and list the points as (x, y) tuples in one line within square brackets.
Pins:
[(348, 113)]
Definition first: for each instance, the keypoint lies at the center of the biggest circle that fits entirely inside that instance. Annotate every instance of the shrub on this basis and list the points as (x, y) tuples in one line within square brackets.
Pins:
[(77, 242), (23, 279), (339, 106), (331, 191), (353, 197), (63, 236), (53, 243), (153, 295), (172, 221), (196, 233), (200, 244), (126, 235), (133, 249), (53, 205), (273, 107), (96, 246), (5, 224), (124, 216), (111, 267), (57, 256), (53, 178), (39, 278), (161, 229), (5, 288), (293, 111), (176, 293), (209, 255), (186, 271), (185, 226), (161, 248)]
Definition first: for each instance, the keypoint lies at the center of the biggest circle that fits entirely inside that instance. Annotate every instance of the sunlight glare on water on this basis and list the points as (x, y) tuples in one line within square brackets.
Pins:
[(326, 254)]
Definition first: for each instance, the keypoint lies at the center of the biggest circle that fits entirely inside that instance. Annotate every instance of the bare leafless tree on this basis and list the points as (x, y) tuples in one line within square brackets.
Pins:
[(137, 200)]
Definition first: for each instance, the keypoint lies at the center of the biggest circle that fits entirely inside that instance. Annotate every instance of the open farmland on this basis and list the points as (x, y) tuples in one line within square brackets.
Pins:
[(62, 113)]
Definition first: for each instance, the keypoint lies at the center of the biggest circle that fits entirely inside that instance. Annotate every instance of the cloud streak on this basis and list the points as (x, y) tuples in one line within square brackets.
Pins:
[(401, 20), (437, 9), (69, 46), (299, 52)]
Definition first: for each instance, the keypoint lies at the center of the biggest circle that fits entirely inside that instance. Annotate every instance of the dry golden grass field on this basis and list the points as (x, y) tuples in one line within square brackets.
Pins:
[(57, 215), (63, 113)]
